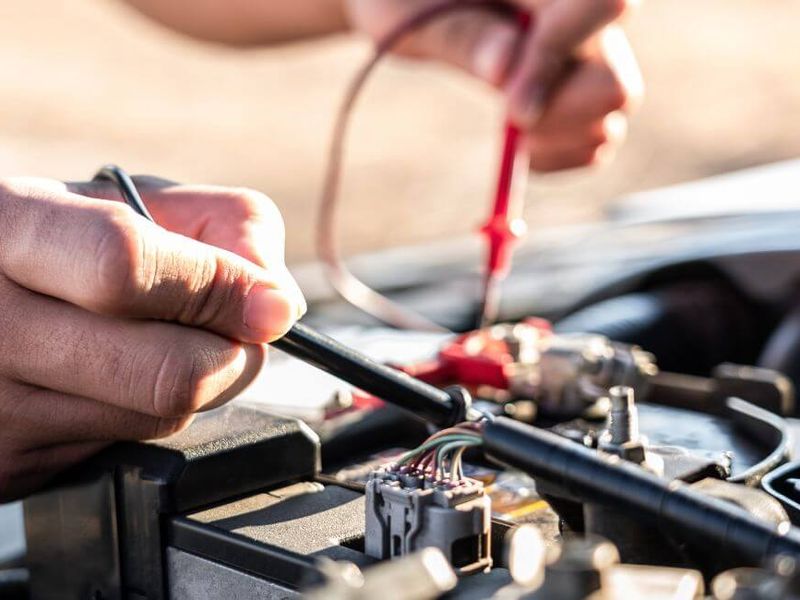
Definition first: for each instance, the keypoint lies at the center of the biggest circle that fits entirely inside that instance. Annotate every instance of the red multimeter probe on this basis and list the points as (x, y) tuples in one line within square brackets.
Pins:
[(505, 224)]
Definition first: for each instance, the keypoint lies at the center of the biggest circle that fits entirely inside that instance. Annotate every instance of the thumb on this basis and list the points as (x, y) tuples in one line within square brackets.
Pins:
[(106, 259)]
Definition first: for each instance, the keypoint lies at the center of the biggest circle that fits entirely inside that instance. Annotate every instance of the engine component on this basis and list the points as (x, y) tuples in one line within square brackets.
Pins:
[(602, 479), (574, 569), (588, 567), (564, 374), (407, 511), (654, 583), (742, 444), (420, 576), (757, 503), (784, 484), (747, 583), (577, 369), (621, 436), (130, 492), (777, 580)]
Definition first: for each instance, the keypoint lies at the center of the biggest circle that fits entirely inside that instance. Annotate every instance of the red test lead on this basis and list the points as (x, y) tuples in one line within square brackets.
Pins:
[(505, 224)]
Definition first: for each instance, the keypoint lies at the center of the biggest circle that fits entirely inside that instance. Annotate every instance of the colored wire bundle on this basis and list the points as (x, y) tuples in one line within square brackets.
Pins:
[(441, 454)]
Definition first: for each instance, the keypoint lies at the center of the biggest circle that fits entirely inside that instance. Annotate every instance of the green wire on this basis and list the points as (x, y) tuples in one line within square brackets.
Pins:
[(442, 451), (437, 442)]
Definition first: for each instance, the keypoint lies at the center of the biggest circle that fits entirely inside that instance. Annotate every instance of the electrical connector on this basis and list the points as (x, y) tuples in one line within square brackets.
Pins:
[(408, 510)]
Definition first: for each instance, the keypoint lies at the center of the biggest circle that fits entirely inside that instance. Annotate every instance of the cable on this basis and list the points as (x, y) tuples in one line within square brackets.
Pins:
[(431, 458), (344, 282), (126, 187)]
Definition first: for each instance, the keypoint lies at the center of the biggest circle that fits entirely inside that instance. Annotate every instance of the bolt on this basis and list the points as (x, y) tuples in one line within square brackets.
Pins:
[(623, 419)]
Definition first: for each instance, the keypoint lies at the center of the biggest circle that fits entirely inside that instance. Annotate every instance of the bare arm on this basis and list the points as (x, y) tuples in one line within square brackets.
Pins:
[(569, 81), (247, 22)]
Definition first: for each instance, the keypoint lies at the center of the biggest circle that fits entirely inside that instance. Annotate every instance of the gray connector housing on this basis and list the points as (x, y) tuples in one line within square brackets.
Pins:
[(406, 513)]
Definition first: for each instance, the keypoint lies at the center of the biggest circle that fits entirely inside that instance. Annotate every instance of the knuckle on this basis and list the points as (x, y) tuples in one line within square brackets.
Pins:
[(218, 293), (255, 205), (119, 249), (178, 388)]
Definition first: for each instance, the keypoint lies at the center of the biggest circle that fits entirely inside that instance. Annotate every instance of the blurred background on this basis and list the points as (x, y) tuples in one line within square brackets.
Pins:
[(84, 82)]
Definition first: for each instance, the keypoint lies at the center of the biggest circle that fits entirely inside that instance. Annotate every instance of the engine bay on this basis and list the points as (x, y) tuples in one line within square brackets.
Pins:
[(634, 440), (629, 477)]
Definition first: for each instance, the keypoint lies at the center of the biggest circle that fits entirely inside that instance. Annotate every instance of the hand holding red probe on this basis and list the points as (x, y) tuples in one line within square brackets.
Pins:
[(568, 81)]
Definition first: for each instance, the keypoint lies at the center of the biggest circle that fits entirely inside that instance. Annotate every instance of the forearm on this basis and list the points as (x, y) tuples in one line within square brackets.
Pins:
[(247, 22)]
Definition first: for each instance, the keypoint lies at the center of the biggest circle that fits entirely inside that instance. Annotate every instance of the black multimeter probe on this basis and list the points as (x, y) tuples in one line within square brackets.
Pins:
[(440, 407)]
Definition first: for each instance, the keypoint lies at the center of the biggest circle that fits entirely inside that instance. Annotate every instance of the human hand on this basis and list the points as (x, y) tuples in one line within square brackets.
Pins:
[(114, 328), (569, 81)]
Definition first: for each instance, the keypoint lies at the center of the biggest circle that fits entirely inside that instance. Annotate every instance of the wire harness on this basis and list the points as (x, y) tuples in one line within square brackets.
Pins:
[(425, 500)]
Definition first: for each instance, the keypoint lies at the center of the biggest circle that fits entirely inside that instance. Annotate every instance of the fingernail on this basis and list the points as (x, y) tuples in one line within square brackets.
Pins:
[(270, 312), (302, 306), (492, 54), (288, 283)]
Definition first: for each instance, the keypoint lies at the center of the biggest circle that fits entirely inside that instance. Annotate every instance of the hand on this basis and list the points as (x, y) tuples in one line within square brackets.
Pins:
[(568, 82), (114, 328)]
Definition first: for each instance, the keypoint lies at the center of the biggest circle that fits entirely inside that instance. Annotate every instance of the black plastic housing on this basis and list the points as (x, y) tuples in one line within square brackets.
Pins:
[(99, 531)]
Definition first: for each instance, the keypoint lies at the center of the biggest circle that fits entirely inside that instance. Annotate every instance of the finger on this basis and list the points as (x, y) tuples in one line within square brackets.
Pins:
[(103, 257), (23, 473), (561, 26), (591, 92), (610, 129), (570, 158), (240, 220), (42, 417), (481, 40), (160, 369)]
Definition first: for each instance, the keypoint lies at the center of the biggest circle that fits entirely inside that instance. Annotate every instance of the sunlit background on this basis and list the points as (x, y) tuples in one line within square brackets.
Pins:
[(83, 82)]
